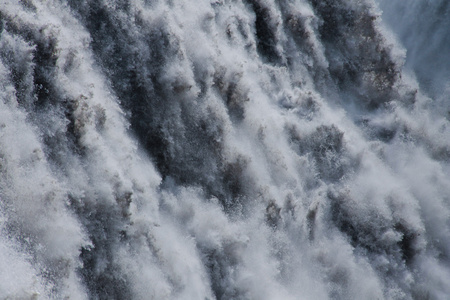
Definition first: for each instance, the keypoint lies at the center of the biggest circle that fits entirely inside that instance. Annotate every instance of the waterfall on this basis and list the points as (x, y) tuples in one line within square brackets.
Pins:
[(224, 149)]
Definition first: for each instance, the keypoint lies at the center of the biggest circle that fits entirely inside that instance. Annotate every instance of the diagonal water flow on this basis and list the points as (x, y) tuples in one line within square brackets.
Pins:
[(254, 149)]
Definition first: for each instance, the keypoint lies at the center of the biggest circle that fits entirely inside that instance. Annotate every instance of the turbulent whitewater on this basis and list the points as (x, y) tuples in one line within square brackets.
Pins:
[(224, 149)]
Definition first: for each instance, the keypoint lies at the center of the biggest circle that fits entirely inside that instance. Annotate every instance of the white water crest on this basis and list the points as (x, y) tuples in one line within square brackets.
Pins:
[(224, 149)]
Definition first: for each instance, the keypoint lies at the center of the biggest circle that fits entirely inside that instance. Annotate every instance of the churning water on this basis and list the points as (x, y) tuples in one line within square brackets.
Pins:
[(224, 149)]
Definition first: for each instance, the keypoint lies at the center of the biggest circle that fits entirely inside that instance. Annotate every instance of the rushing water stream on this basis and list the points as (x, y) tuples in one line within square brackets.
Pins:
[(224, 149)]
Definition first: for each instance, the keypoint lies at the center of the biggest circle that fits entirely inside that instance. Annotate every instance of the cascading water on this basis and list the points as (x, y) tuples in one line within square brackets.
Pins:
[(224, 149)]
